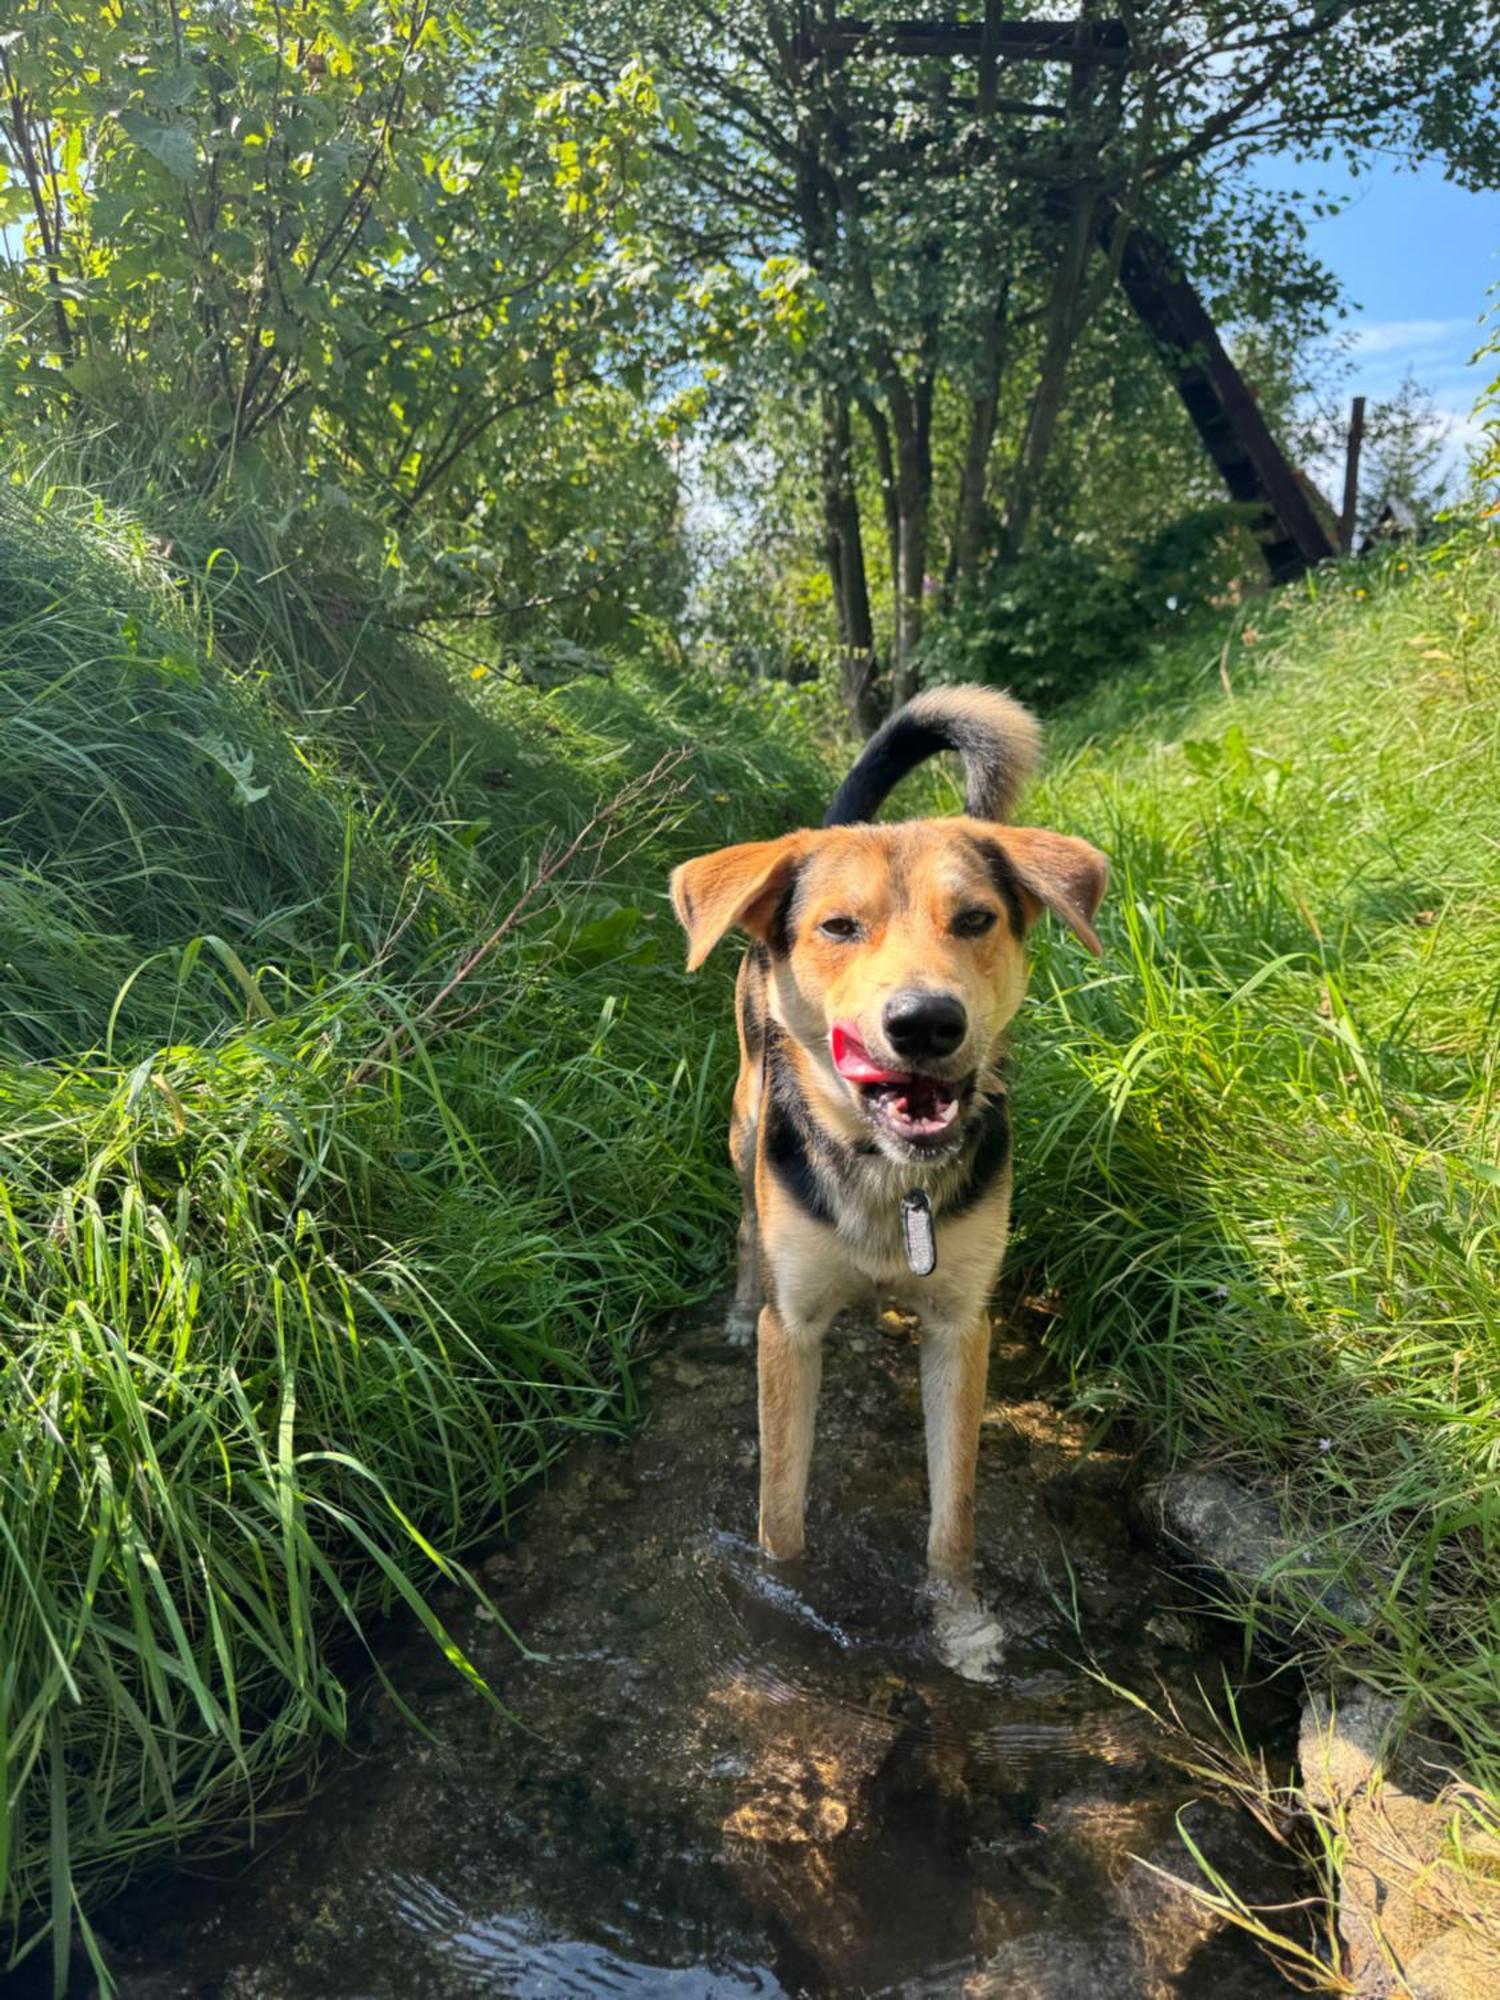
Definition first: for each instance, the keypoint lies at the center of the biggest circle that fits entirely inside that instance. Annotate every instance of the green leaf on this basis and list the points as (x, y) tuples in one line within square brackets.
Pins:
[(175, 146), (237, 765), (172, 89)]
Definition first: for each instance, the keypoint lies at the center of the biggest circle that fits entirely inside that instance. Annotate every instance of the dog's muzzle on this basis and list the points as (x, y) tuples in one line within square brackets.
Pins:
[(917, 1110)]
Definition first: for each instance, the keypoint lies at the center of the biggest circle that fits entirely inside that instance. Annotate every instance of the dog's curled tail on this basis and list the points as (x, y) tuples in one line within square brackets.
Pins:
[(998, 740)]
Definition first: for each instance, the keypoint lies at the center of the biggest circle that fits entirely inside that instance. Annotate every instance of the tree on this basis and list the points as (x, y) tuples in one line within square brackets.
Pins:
[(344, 247), (952, 235), (1407, 445)]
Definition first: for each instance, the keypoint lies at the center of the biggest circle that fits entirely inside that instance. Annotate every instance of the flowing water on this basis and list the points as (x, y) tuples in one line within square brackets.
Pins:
[(715, 1778)]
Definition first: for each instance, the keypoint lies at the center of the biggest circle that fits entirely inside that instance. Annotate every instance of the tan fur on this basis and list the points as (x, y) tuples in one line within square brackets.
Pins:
[(906, 886)]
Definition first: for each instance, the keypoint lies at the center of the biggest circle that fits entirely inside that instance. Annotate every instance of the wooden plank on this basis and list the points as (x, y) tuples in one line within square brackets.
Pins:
[(1224, 412), (1103, 42)]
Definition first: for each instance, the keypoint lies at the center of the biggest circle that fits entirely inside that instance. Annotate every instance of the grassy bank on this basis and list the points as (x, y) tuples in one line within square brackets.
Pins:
[(354, 1111), (1261, 1149), (329, 1214)]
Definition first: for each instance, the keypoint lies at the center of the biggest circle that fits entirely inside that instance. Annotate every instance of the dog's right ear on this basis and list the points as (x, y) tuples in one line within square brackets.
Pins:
[(739, 885)]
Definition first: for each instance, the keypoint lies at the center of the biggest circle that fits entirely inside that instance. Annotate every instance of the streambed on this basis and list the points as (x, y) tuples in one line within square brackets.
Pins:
[(718, 1779)]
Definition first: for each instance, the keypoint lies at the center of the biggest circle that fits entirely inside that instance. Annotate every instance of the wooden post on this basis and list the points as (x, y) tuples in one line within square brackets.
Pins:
[(1351, 474)]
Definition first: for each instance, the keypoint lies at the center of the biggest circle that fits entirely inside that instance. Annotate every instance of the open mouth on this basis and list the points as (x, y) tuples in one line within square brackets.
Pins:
[(916, 1109)]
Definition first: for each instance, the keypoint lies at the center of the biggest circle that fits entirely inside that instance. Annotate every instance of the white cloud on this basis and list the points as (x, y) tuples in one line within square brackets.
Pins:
[(1414, 337)]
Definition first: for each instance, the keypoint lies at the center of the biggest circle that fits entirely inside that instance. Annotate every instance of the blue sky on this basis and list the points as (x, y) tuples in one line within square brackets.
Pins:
[(1417, 257)]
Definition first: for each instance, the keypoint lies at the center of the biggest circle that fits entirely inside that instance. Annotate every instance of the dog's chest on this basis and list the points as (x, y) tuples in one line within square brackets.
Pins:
[(941, 1247)]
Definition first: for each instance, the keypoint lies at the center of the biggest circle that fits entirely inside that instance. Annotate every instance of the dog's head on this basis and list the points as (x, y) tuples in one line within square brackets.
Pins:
[(897, 954)]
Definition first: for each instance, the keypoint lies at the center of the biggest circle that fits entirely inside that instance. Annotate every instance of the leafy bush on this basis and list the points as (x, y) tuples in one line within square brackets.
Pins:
[(1071, 612)]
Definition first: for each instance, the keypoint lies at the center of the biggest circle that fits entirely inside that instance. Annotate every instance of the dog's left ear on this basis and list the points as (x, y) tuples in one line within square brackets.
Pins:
[(738, 885), (1055, 871)]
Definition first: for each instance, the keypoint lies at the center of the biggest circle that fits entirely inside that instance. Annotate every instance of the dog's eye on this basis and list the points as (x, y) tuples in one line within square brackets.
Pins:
[(973, 923), (840, 929)]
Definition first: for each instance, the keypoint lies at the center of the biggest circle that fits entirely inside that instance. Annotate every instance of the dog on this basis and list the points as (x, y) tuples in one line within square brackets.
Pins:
[(870, 1132)]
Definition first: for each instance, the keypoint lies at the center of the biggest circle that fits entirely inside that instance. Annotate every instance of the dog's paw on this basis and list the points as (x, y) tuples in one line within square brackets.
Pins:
[(740, 1324), (968, 1636)]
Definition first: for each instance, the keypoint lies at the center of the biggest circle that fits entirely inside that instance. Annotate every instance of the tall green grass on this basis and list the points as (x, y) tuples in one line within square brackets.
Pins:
[(1260, 1144), (311, 1255)]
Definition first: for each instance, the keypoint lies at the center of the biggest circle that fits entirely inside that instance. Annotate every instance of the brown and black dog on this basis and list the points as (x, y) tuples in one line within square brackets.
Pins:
[(870, 1128)]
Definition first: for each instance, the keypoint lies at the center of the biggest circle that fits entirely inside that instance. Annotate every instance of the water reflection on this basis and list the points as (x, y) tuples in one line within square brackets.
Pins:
[(515, 1955)]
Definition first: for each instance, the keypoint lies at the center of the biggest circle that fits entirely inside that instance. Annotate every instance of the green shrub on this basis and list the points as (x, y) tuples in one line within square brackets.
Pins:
[(1071, 612)]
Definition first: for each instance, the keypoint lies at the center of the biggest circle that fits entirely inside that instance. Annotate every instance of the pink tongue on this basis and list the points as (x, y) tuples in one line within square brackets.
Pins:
[(852, 1059)]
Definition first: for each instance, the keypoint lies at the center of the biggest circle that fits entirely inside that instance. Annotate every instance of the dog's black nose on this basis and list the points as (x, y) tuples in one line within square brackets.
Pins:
[(920, 1024)]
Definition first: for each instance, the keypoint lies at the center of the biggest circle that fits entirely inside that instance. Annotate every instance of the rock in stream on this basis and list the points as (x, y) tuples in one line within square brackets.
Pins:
[(718, 1778)]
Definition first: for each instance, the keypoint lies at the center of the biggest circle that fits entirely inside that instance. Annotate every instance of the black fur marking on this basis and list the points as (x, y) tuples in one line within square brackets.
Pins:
[(799, 1153), (789, 1159), (779, 936), (1007, 884), (752, 1016), (991, 1153)]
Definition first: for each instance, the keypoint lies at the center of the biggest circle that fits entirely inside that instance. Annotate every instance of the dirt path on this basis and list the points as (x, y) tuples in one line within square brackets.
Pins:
[(727, 1781)]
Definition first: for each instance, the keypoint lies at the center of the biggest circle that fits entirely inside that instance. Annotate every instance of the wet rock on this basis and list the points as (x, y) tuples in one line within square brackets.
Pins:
[(1415, 1924), (1224, 1526), (1217, 1522), (1171, 1628)]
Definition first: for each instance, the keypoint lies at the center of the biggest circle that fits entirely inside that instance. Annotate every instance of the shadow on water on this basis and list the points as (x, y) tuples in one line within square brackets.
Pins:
[(718, 1779)]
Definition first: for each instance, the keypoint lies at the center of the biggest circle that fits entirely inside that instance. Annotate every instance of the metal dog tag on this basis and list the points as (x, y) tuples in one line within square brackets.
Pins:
[(918, 1236)]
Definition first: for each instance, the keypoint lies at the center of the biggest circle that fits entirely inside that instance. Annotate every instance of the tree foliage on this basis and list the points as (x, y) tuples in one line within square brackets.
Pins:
[(943, 238), (452, 282), (348, 250)]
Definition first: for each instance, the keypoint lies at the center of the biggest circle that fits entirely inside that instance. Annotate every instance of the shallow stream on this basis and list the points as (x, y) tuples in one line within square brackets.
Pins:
[(716, 1779)]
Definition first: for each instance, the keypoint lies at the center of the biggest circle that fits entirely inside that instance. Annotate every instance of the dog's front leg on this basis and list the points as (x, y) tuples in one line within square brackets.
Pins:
[(789, 1361), (955, 1366)]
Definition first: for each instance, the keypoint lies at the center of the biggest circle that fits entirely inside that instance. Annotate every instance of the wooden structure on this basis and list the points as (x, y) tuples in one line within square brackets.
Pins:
[(1222, 406), (1223, 409), (1098, 42)]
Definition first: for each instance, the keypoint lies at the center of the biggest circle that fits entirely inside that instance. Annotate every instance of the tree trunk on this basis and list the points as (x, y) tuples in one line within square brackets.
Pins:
[(1067, 308), (845, 547), (913, 440), (885, 465), (969, 525), (843, 535), (1064, 321), (971, 517)]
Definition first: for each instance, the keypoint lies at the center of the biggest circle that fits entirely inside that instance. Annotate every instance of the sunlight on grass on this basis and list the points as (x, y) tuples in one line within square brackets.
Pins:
[(1259, 1146)]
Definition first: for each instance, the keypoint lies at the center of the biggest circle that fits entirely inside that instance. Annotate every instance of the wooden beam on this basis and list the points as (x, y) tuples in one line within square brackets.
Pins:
[(1102, 42), (1218, 399), (989, 56)]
